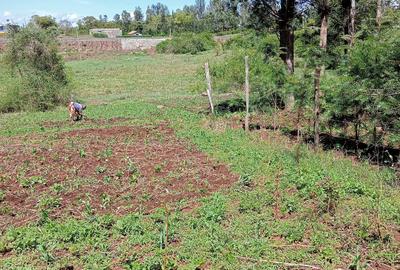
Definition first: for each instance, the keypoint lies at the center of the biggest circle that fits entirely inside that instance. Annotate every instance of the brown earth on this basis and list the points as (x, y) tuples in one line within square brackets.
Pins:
[(92, 171)]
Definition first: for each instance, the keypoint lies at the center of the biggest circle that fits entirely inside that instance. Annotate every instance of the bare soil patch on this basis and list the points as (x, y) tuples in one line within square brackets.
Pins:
[(105, 170)]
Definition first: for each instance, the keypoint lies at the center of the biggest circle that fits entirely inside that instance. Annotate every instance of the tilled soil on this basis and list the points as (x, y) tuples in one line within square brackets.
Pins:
[(104, 170)]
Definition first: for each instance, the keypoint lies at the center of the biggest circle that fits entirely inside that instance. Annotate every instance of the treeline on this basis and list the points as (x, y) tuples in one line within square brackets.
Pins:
[(157, 19)]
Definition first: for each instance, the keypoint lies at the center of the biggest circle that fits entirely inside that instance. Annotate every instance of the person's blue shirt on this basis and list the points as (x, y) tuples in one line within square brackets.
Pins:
[(78, 107)]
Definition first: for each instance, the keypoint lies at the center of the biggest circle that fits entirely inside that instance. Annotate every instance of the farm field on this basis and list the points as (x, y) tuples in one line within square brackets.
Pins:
[(150, 181)]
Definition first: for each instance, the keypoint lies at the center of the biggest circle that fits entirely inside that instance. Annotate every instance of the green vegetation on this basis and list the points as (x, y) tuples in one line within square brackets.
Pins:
[(99, 35), (37, 74), (285, 198), (187, 43), (131, 185)]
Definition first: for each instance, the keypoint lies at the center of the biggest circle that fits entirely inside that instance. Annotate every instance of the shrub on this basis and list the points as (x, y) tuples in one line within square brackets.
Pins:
[(39, 78), (187, 43), (99, 35), (267, 71)]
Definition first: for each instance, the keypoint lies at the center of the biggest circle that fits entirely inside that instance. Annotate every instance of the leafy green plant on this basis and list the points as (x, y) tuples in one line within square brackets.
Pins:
[(48, 202), (2, 195), (187, 43), (58, 188), (29, 182), (105, 200), (101, 169), (40, 80), (158, 168), (100, 35), (82, 153), (214, 208)]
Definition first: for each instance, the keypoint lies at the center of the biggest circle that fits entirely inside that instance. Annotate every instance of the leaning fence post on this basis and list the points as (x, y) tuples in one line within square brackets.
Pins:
[(247, 93), (209, 89)]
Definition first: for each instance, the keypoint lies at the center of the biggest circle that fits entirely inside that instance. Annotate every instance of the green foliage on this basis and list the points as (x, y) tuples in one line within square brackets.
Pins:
[(213, 209), (29, 182), (40, 78), (268, 74), (187, 43), (100, 35), (2, 195)]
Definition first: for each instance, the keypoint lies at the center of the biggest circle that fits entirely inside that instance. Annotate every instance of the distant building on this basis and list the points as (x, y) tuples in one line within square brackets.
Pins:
[(110, 32)]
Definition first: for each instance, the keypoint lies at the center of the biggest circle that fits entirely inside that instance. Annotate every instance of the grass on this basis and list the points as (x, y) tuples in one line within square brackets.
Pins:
[(290, 204)]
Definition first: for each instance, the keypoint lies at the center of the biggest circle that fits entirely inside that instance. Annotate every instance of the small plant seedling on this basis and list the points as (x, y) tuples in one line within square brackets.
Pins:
[(82, 153), (133, 172), (158, 168), (107, 179), (133, 179), (245, 180), (105, 200), (119, 174), (100, 169), (49, 202), (58, 188), (88, 209), (107, 152), (31, 181), (6, 211), (2, 195), (146, 197)]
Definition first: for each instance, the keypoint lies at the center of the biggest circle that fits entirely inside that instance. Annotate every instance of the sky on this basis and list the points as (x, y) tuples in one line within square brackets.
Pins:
[(20, 11)]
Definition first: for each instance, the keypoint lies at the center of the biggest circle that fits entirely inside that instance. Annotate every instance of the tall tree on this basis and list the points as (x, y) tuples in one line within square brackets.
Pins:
[(283, 12), (117, 18), (323, 11), (200, 8), (138, 14), (126, 21), (379, 13)]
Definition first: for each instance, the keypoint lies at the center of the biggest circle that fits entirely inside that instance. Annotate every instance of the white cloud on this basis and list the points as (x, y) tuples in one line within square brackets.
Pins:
[(7, 13), (72, 17)]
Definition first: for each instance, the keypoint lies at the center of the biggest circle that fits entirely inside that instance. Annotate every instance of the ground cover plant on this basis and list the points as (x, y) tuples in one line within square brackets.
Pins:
[(150, 181)]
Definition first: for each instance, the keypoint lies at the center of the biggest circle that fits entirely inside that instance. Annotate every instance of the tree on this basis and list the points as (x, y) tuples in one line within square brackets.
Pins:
[(87, 23), (117, 18), (200, 8), (126, 21), (65, 26), (40, 78), (323, 11), (138, 15), (379, 13), (44, 22), (284, 13)]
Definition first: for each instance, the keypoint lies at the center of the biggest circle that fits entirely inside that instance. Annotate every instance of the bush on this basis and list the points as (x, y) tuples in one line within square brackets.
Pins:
[(99, 35), (39, 78), (267, 71), (187, 43)]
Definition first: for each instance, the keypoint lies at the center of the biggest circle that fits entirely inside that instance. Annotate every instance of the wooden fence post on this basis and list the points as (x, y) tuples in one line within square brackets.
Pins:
[(247, 93), (209, 89)]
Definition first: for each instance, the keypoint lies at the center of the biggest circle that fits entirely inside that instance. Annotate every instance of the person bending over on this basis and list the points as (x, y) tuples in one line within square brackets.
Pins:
[(76, 110)]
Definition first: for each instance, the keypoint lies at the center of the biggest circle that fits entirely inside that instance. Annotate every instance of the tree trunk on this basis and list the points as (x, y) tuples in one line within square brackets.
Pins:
[(323, 37), (317, 108), (352, 25), (346, 5), (286, 40), (379, 14), (323, 40)]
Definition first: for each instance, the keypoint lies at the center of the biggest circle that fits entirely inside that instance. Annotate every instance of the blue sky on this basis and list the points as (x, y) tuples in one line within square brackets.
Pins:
[(19, 11)]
